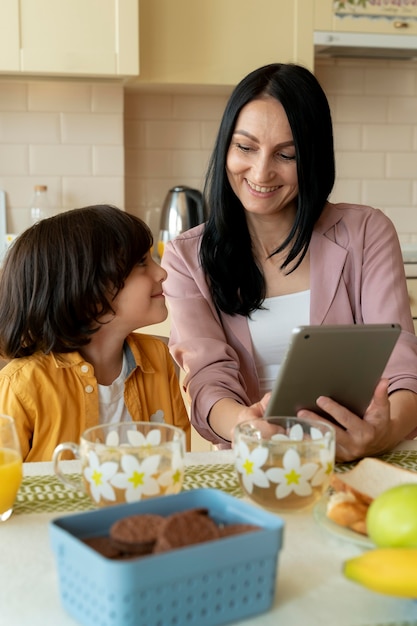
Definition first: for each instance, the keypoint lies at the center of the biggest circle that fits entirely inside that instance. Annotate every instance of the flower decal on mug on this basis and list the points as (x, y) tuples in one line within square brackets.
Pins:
[(139, 467), (137, 478), (98, 477), (287, 466)]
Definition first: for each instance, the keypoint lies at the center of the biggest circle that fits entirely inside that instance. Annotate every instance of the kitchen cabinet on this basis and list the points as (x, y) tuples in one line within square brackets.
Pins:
[(70, 37), (391, 17), (9, 40), (217, 42)]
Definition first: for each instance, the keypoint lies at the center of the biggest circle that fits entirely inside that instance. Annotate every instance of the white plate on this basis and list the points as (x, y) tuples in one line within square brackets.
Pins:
[(319, 513)]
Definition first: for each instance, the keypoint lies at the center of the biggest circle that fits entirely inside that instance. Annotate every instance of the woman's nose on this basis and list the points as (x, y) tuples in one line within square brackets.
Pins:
[(263, 168)]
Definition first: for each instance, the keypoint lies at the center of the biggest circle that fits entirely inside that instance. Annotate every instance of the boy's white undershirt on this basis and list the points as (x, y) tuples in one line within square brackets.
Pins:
[(270, 330), (112, 406)]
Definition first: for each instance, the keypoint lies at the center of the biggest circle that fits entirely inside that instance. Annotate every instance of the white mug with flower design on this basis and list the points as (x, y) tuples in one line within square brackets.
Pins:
[(126, 462), (284, 463)]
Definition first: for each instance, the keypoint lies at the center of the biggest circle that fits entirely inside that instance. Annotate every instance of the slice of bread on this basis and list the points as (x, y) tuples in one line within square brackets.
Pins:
[(370, 477), (357, 488)]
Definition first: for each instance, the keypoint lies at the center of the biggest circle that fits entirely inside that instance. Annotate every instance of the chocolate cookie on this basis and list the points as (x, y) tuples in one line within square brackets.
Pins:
[(184, 529), (136, 534), (104, 546)]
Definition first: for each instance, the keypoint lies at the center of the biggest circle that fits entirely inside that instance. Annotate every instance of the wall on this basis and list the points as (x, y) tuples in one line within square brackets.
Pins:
[(374, 108), (168, 138), (64, 134), (81, 137), (168, 141)]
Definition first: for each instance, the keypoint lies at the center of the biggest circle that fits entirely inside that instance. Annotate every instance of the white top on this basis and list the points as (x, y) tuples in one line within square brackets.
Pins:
[(111, 400), (270, 329)]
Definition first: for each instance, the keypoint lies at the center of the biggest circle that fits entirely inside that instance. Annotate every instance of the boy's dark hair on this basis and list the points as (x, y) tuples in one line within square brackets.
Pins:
[(236, 282), (61, 275)]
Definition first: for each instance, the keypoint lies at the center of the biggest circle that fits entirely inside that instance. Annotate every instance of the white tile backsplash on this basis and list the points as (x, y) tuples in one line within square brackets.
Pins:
[(402, 109), (29, 128), (367, 109), (360, 164), (374, 113), (383, 137), (386, 81), (60, 160), (93, 142), (374, 110), (67, 135), (13, 96), (59, 96)]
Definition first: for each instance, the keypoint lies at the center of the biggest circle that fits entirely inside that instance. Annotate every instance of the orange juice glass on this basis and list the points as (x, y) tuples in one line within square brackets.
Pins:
[(10, 466), (161, 247)]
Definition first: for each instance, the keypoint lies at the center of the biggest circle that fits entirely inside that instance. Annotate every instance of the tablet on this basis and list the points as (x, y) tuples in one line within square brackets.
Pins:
[(343, 362)]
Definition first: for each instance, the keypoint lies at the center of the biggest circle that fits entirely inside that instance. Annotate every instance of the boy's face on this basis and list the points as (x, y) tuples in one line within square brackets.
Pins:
[(141, 302)]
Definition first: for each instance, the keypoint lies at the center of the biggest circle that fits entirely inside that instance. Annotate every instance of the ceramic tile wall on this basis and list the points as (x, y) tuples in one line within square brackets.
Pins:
[(67, 135), (94, 142), (374, 108), (168, 138), (168, 141)]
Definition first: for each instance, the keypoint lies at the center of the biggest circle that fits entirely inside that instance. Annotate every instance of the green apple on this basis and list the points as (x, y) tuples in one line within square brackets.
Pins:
[(391, 520)]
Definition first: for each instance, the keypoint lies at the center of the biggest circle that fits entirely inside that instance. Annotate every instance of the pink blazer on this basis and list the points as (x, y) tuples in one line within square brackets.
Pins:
[(356, 276)]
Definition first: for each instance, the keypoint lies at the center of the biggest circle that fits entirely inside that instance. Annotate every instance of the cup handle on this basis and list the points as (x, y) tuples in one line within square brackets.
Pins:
[(68, 446)]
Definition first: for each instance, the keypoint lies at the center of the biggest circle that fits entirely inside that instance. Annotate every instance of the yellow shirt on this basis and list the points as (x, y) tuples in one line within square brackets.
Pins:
[(54, 398)]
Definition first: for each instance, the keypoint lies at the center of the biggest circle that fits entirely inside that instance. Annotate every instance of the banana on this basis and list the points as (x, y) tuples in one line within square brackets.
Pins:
[(392, 571)]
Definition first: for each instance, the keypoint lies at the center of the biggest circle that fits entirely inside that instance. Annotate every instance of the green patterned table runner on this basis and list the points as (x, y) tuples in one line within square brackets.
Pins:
[(46, 494), (407, 459)]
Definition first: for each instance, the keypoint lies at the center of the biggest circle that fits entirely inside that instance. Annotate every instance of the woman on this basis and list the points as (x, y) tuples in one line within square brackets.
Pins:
[(275, 254)]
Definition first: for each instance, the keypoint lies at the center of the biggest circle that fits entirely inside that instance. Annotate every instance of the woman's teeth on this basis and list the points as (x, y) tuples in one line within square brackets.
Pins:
[(261, 189)]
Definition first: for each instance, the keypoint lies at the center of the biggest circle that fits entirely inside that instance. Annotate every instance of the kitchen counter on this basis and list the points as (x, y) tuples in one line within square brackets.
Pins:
[(409, 251), (311, 588)]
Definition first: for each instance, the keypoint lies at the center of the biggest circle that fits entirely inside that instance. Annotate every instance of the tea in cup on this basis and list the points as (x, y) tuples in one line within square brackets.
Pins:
[(126, 462), (284, 463), (10, 466)]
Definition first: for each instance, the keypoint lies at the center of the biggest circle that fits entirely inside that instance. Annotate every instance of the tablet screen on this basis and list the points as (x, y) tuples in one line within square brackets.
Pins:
[(344, 362)]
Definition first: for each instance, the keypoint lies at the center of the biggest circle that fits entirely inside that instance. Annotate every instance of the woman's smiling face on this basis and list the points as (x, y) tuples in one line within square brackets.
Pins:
[(260, 163)]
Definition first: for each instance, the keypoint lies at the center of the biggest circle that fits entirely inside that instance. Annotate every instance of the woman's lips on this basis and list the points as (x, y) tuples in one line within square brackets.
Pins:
[(262, 189)]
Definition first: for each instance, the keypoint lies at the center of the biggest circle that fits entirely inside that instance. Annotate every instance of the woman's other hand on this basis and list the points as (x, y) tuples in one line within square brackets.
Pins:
[(377, 432)]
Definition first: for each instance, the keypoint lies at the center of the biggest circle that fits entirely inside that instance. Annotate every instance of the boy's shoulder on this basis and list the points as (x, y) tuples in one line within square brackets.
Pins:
[(148, 350), (147, 344), (39, 364), (139, 339), (26, 364)]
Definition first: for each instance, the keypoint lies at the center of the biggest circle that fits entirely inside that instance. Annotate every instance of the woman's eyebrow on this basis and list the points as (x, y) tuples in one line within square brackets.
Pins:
[(285, 144), (246, 134)]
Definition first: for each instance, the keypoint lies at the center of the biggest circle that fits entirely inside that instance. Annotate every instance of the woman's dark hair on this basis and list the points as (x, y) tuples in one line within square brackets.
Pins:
[(236, 281), (60, 276)]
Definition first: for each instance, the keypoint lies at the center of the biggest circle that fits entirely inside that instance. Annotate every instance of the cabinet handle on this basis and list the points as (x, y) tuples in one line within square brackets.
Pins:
[(401, 25)]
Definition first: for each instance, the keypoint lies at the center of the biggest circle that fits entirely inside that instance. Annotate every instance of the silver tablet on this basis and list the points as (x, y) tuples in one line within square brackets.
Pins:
[(343, 362)]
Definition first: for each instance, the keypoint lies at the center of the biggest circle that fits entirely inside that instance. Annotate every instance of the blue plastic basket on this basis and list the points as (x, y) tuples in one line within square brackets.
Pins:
[(208, 584)]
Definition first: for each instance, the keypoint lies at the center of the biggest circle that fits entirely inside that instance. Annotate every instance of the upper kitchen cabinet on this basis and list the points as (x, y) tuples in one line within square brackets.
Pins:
[(70, 37), (217, 42), (9, 40), (387, 17)]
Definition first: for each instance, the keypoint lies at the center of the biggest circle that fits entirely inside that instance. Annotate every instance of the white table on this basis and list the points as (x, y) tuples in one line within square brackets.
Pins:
[(311, 589)]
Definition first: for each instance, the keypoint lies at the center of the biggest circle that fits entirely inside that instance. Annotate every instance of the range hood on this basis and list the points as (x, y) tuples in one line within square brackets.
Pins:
[(364, 45)]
